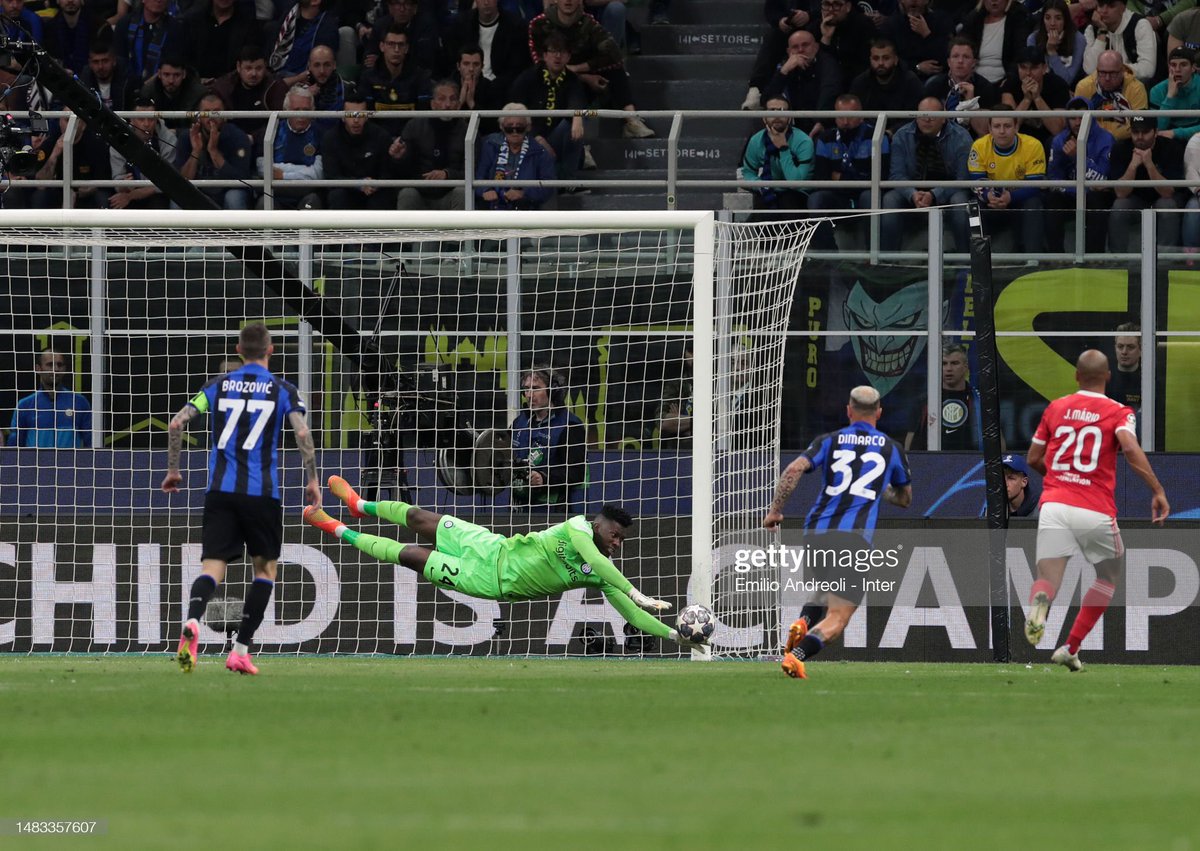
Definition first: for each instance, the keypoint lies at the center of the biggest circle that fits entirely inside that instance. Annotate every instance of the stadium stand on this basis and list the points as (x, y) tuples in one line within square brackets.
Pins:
[(697, 62)]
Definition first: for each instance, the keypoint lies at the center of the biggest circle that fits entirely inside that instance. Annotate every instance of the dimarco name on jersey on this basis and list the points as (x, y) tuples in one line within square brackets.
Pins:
[(862, 439)]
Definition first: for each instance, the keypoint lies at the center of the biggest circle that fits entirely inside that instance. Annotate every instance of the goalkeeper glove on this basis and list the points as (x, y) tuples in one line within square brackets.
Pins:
[(648, 602), (699, 641)]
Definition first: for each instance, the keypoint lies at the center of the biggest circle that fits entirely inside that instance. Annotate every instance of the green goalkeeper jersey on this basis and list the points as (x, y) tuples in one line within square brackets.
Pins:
[(546, 563)]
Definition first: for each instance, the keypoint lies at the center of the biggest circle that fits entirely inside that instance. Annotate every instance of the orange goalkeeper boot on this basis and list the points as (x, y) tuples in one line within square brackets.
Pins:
[(240, 664), (342, 490), (189, 642), (316, 516), (793, 667), (796, 632)]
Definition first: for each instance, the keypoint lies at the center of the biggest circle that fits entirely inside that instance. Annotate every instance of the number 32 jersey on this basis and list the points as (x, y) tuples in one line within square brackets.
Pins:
[(859, 463), (1080, 435), (249, 407)]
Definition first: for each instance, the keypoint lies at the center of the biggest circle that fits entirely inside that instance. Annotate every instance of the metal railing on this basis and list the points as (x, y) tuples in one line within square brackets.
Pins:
[(671, 183)]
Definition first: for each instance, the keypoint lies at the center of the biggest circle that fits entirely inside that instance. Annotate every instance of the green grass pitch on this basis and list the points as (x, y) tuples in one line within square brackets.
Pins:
[(522, 753)]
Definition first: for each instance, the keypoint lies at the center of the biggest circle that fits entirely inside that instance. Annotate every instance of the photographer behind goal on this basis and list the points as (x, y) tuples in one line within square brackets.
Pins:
[(549, 442)]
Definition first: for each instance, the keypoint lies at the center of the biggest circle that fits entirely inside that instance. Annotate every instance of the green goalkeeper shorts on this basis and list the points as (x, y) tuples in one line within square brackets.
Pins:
[(467, 559)]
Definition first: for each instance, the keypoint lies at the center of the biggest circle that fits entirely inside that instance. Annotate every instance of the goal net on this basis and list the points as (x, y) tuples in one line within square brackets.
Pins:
[(415, 343)]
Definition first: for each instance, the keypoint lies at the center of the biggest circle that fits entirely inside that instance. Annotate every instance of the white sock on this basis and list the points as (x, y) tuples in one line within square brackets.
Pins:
[(358, 506), (340, 530), (241, 649)]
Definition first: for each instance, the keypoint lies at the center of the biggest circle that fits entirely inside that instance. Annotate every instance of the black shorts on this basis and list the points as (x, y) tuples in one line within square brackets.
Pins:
[(837, 569), (235, 523)]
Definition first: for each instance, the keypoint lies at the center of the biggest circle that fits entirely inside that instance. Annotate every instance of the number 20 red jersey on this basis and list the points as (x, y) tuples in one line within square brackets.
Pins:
[(1080, 435)]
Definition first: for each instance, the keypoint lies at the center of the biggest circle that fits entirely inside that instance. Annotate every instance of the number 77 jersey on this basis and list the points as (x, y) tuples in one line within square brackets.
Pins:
[(249, 407), (859, 462), (1080, 435)]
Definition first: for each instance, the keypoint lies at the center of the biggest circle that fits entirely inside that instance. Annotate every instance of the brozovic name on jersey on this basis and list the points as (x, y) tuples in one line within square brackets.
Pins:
[(231, 386)]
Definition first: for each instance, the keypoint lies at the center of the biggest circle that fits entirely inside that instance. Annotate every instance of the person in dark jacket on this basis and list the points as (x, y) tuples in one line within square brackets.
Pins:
[(595, 58), (307, 24), (921, 36), (996, 55), (506, 36), (784, 17), (358, 150), (1021, 492), (552, 85), (395, 81), (1063, 165), (212, 148), (68, 35), (216, 33), (424, 48), (809, 78), (174, 88), (326, 84), (90, 162), (143, 37), (104, 76), (843, 152), (432, 148), (887, 85), (251, 87), (844, 32), (1145, 156), (549, 442)]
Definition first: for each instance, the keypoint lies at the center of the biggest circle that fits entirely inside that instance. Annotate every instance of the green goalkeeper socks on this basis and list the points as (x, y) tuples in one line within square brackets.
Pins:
[(393, 512), (384, 549)]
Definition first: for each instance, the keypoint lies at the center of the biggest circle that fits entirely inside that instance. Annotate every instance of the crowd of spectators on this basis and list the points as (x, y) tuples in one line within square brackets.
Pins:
[(208, 56), (423, 56), (1106, 57)]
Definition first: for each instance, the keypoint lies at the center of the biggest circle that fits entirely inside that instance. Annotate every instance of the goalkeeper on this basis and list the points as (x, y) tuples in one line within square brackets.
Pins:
[(478, 562)]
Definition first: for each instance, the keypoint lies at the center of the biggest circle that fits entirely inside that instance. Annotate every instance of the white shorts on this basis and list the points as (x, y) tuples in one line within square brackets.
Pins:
[(1064, 528)]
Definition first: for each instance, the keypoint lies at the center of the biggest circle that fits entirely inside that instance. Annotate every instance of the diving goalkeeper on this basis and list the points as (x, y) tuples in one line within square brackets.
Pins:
[(478, 562)]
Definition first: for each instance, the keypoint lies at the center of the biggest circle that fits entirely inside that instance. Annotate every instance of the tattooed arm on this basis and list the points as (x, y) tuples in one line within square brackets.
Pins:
[(308, 452), (170, 482), (787, 484)]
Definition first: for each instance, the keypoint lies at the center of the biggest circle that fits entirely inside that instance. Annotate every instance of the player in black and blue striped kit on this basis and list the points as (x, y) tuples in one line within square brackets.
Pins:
[(861, 466), (242, 509)]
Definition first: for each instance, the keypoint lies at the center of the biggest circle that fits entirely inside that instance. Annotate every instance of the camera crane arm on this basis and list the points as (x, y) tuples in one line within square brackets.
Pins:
[(117, 132)]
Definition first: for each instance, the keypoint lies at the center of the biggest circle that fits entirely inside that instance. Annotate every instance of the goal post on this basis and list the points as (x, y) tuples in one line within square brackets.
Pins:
[(410, 336)]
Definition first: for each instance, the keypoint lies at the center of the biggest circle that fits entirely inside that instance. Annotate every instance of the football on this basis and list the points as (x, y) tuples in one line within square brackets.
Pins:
[(696, 623)]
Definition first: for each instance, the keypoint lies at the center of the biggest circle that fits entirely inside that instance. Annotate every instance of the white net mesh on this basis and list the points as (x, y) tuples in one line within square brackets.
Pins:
[(410, 347), (756, 278)]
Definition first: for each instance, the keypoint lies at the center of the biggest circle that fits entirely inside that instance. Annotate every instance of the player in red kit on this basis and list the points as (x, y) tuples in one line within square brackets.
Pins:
[(1075, 448)]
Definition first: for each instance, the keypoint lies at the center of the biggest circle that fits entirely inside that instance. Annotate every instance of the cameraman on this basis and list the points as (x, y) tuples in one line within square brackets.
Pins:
[(549, 442)]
